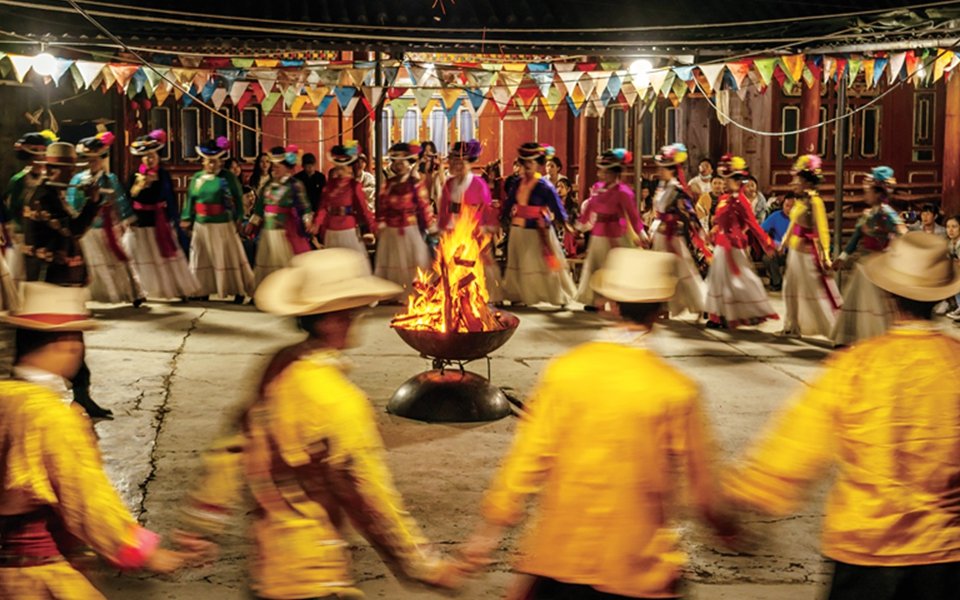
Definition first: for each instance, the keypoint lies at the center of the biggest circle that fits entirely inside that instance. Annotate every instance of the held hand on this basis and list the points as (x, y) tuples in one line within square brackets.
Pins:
[(185, 225), (200, 549), (477, 550), (369, 239), (167, 561), (448, 575)]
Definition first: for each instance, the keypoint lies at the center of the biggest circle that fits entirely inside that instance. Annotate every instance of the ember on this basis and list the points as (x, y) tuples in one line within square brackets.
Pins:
[(453, 296)]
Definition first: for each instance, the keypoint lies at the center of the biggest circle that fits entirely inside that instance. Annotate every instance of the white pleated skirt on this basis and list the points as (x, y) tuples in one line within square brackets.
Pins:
[(15, 260), (736, 299), (218, 261), (344, 238), (9, 292), (597, 250), (400, 255), (690, 287), (867, 310), (528, 278), (111, 280), (274, 252), (160, 277), (808, 309)]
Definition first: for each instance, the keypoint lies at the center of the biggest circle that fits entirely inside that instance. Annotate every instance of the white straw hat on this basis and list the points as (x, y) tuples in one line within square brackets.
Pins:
[(635, 275), (323, 281), (915, 266), (48, 307)]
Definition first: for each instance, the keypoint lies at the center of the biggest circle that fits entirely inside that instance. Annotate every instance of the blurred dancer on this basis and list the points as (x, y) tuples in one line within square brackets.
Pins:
[(56, 496), (344, 219), (809, 292), (607, 428), (309, 450), (868, 311), (30, 149), (882, 419)]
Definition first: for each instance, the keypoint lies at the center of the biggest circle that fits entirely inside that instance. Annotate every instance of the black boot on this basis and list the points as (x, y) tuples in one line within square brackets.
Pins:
[(81, 395)]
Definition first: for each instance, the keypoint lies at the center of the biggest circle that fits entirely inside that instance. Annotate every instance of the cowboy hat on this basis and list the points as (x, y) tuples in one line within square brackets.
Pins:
[(323, 281), (61, 154), (915, 266), (635, 275), (48, 307)]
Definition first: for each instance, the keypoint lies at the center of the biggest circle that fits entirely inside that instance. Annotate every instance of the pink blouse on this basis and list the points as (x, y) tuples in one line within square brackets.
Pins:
[(475, 194), (609, 209)]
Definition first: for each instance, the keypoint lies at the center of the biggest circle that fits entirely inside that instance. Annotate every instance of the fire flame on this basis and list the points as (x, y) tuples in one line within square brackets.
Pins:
[(452, 295)]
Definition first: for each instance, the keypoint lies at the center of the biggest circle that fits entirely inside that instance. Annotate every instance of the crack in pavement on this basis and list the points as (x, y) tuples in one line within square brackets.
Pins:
[(161, 414)]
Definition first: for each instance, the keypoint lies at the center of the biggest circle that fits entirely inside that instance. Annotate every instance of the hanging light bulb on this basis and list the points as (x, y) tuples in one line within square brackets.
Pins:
[(640, 70), (44, 64)]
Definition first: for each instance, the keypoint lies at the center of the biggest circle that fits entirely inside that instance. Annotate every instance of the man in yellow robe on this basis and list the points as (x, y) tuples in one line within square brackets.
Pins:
[(608, 428), (55, 494), (309, 449), (886, 415)]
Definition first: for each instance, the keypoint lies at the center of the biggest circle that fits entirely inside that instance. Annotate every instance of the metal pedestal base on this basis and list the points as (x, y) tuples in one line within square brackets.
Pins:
[(449, 396)]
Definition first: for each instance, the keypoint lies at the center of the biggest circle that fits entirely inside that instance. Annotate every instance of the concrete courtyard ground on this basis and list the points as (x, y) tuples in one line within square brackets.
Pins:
[(176, 374)]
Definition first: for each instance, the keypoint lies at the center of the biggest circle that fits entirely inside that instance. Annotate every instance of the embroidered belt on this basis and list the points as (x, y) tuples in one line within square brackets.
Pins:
[(526, 211), (210, 210), (26, 540), (608, 217), (341, 211)]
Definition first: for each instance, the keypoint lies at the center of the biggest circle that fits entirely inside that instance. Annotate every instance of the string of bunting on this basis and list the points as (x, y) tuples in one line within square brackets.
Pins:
[(585, 87)]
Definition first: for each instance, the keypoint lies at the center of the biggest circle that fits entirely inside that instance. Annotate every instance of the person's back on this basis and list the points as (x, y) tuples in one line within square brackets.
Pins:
[(608, 424)]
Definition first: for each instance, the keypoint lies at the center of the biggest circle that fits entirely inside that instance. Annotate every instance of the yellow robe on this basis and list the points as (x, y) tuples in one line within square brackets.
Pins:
[(49, 458), (310, 452), (811, 214), (886, 414), (608, 428)]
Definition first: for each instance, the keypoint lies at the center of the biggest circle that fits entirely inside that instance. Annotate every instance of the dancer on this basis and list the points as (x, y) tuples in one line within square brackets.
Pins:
[(112, 278), (151, 242), (212, 210), (677, 230), (463, 188), (344, 219), (56, 495), (404, 214), (599, 443), (309, 450), (30, 149), (606, 214), (431, 175), (880, 422), (283, 212), (867, 310), (536, 268), (809, 292), (735, 294)]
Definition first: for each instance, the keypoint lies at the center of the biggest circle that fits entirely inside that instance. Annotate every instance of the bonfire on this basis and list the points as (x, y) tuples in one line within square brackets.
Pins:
[(452, 296)]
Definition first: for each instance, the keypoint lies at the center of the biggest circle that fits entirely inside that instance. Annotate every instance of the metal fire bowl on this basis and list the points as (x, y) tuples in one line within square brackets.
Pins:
[(449, 396), (460, 346)]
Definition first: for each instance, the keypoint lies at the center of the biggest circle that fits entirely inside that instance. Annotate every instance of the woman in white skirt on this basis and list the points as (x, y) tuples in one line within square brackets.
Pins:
[(810, 294), (112, 278), (344, 219), (31, 149), (283, 214), (404, 215), (867, 310), (464, 189), (676, 229), (211, 209), (536, 268), (606, 214), (151, 241), (735, 294)]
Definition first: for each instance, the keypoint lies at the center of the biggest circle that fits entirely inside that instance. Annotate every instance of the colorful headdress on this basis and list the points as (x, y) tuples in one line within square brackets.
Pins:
[(809, 166), (98, 145), (672, 155), (532, 151), (214, 148), (152, 142), (408, 151), (732, 166), (615, 158), (468, 151), (288, 155), (345, 154), (881, 177), (35, 143)]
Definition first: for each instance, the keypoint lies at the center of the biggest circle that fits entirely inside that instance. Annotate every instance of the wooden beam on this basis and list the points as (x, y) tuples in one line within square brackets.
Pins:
[(951, 149), (809, 116)]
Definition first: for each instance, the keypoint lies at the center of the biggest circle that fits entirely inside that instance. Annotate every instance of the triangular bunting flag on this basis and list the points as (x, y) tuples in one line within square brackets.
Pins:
[(352, 105), (324, 105), (853, 68), (317, 94), (61, 66), (476, 98), (344, 95), (190, 61), (200, 79), (526, 111), (237, 90), (793, 66), (400, 106), (389, 75), (577, 98), (685, 73), (418, 74), (614, 85), (266, 79), (896, 64), (569, 79), (242, 63), (600, 80), (218, 97), (89, 71), (21, 65), (297, 105), (230, 75), (552, 101), (122, 74), (501, 99), (765, 67), (657, 79), (527, 96), (207, 91), (423, 97), (258, 91), (573, 107), (511, 81), (138, 82), (451, 110), (267, 62), (108, 78), (155, 74), (269, 102), (629, 92), (373, 94), (942, 62), (587, 85), (359, 76), (739, 70), (544, 81), (680, 88), (913, 64), (879, 64), (867, 66), (395, 92), (245, 99), (161, 92), (830, 68), (712, 74), (450, 96)]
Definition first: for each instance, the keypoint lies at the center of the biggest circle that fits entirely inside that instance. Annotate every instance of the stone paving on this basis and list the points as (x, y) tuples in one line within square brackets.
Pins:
[(175, 375)]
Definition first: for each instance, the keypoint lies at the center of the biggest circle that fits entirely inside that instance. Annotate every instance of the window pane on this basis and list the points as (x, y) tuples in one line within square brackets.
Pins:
[(649, 134), (847, 134), (923, 119), (822, 133), (870, 144), (250, 140), (790, 121), (410, 129), (438, 130), (160, 119), (670, 133), (466, 126), (189, 132), (386, 129), (220, 126), (619, 126)]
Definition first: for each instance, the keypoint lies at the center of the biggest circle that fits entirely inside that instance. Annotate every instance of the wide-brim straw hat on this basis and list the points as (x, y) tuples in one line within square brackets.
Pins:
[(48, 307), (323, 281), (635, 275), (915, 266), (61, 154)]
